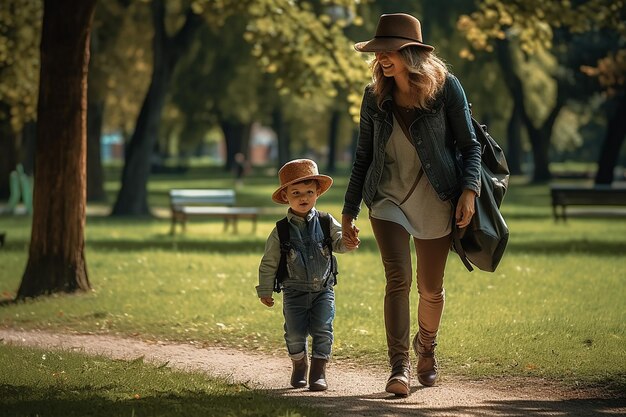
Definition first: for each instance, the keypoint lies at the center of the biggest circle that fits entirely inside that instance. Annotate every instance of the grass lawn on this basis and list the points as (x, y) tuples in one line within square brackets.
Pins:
[(556, 307), (37, 382)]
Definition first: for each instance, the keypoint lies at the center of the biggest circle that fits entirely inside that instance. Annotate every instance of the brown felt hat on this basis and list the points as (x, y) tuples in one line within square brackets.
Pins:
[(300, 170), (394, 32)]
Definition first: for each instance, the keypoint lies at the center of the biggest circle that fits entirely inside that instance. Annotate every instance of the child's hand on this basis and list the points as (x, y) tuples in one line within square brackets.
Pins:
[(350, 233), (268, 301)]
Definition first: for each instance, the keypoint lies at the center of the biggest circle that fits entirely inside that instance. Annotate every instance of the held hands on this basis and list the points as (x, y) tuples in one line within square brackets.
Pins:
[(268, 301), (465, 208), (349, 231)]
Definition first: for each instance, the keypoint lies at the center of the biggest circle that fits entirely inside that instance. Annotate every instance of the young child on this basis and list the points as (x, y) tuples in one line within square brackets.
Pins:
[(309, 299)]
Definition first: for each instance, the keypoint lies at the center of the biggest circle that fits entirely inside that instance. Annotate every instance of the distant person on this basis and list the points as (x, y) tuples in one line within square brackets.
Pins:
[(307, 275), (417, 168)]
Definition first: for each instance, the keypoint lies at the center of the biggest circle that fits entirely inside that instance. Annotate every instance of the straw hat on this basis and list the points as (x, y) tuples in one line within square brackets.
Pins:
[(296, 171), (394, 32)]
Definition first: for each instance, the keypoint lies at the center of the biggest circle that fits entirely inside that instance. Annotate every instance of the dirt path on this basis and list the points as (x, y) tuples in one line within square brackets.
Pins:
[(354, 391)]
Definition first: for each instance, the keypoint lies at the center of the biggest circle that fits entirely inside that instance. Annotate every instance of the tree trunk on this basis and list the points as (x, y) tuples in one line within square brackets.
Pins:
[(515, 87), (8, 151), (237, 139), (514, 141), (95, 173), (56, 260), (332, 141), (282, 136), (540, 142), (539, 137), (104, 36), (132, 199), (29, 143), (615, 135)]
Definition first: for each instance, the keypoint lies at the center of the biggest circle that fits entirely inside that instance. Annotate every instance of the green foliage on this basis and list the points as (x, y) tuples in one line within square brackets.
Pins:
[(555, 307), (308, 53), (20, 33), (122, 61), (532, 22), (43, 382), (610, 71), (272, 55)]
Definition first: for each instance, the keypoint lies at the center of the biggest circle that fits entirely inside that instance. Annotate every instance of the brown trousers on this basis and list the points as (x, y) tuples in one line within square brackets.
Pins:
[(394, 245)]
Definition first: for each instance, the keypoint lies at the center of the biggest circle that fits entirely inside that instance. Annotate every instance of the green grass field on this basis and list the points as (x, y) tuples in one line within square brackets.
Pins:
[(37, 382), (556, 307)]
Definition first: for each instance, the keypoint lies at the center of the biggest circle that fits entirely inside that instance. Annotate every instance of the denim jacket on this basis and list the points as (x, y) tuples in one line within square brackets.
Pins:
[(308, 261), (443, 137)]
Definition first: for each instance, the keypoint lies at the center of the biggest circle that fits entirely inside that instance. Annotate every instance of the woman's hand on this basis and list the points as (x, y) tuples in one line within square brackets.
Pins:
[(465, 208), (268, 301), (349, 232)]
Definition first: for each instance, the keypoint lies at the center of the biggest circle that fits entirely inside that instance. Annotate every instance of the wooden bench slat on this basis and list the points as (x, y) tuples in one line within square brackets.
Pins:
[(186, 203), (564, 195), (193, 210), (202, 197)]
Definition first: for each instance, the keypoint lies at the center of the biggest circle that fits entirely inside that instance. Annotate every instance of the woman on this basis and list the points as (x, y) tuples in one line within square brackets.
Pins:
[(417, 170)]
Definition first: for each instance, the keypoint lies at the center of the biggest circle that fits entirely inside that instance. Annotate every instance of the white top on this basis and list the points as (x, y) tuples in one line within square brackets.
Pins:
[(422, 214)]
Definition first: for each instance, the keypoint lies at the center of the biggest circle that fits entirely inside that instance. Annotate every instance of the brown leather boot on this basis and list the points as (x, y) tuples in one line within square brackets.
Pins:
[(426, 362), (317, 376), (399, 382), (298, 373)]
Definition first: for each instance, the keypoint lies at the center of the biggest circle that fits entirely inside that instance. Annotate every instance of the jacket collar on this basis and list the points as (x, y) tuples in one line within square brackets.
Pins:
[(386, 103)]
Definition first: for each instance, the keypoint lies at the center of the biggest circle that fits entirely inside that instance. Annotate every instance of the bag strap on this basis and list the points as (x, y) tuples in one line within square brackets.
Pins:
[(456, 242), (405, 129), (325, 223), (282, 227), (328, 242)]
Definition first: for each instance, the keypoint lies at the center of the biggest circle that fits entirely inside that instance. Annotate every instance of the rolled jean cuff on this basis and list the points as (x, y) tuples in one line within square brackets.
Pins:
[(298, 356), (320, 356)]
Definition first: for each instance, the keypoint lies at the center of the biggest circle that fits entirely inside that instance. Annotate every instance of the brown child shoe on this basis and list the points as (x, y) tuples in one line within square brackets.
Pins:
[(298, 373), (317, 376)]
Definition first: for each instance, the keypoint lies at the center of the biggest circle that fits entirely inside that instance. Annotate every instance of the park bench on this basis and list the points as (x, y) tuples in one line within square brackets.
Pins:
[(187, 203), (564, 195)]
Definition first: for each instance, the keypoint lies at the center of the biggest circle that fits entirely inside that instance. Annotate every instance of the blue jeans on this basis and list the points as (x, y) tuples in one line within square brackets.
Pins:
[(309, 313)]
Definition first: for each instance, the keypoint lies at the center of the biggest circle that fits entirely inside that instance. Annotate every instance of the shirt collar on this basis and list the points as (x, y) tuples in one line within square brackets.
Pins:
[(295, 218)]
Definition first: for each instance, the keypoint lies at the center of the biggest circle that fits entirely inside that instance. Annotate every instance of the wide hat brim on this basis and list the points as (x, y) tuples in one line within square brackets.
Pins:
[(324, 181), (389, 44), (394, 32)]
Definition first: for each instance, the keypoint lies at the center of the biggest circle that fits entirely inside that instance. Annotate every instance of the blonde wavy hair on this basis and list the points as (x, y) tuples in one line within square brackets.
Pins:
[(427, 75)]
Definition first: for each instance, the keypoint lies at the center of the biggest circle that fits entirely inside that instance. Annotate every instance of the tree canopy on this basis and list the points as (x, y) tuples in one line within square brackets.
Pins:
[(20, 34)]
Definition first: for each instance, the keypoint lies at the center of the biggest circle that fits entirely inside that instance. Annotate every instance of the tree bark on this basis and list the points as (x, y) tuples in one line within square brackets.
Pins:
[(514, 141), (237, 139), (103, 38), (333, 134), (95, 173), (8, 151), (282, 136), (56, 261), (540, 143), (613, 141), (132, 199), (29, 143), (515, 87), (539, 137)]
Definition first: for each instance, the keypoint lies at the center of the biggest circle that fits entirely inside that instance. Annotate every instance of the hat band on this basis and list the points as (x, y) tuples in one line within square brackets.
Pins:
[(398, 37)]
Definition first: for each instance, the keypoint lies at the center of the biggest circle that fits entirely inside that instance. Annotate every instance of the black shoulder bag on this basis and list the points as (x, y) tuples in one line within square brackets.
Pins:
[(484, 240)]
